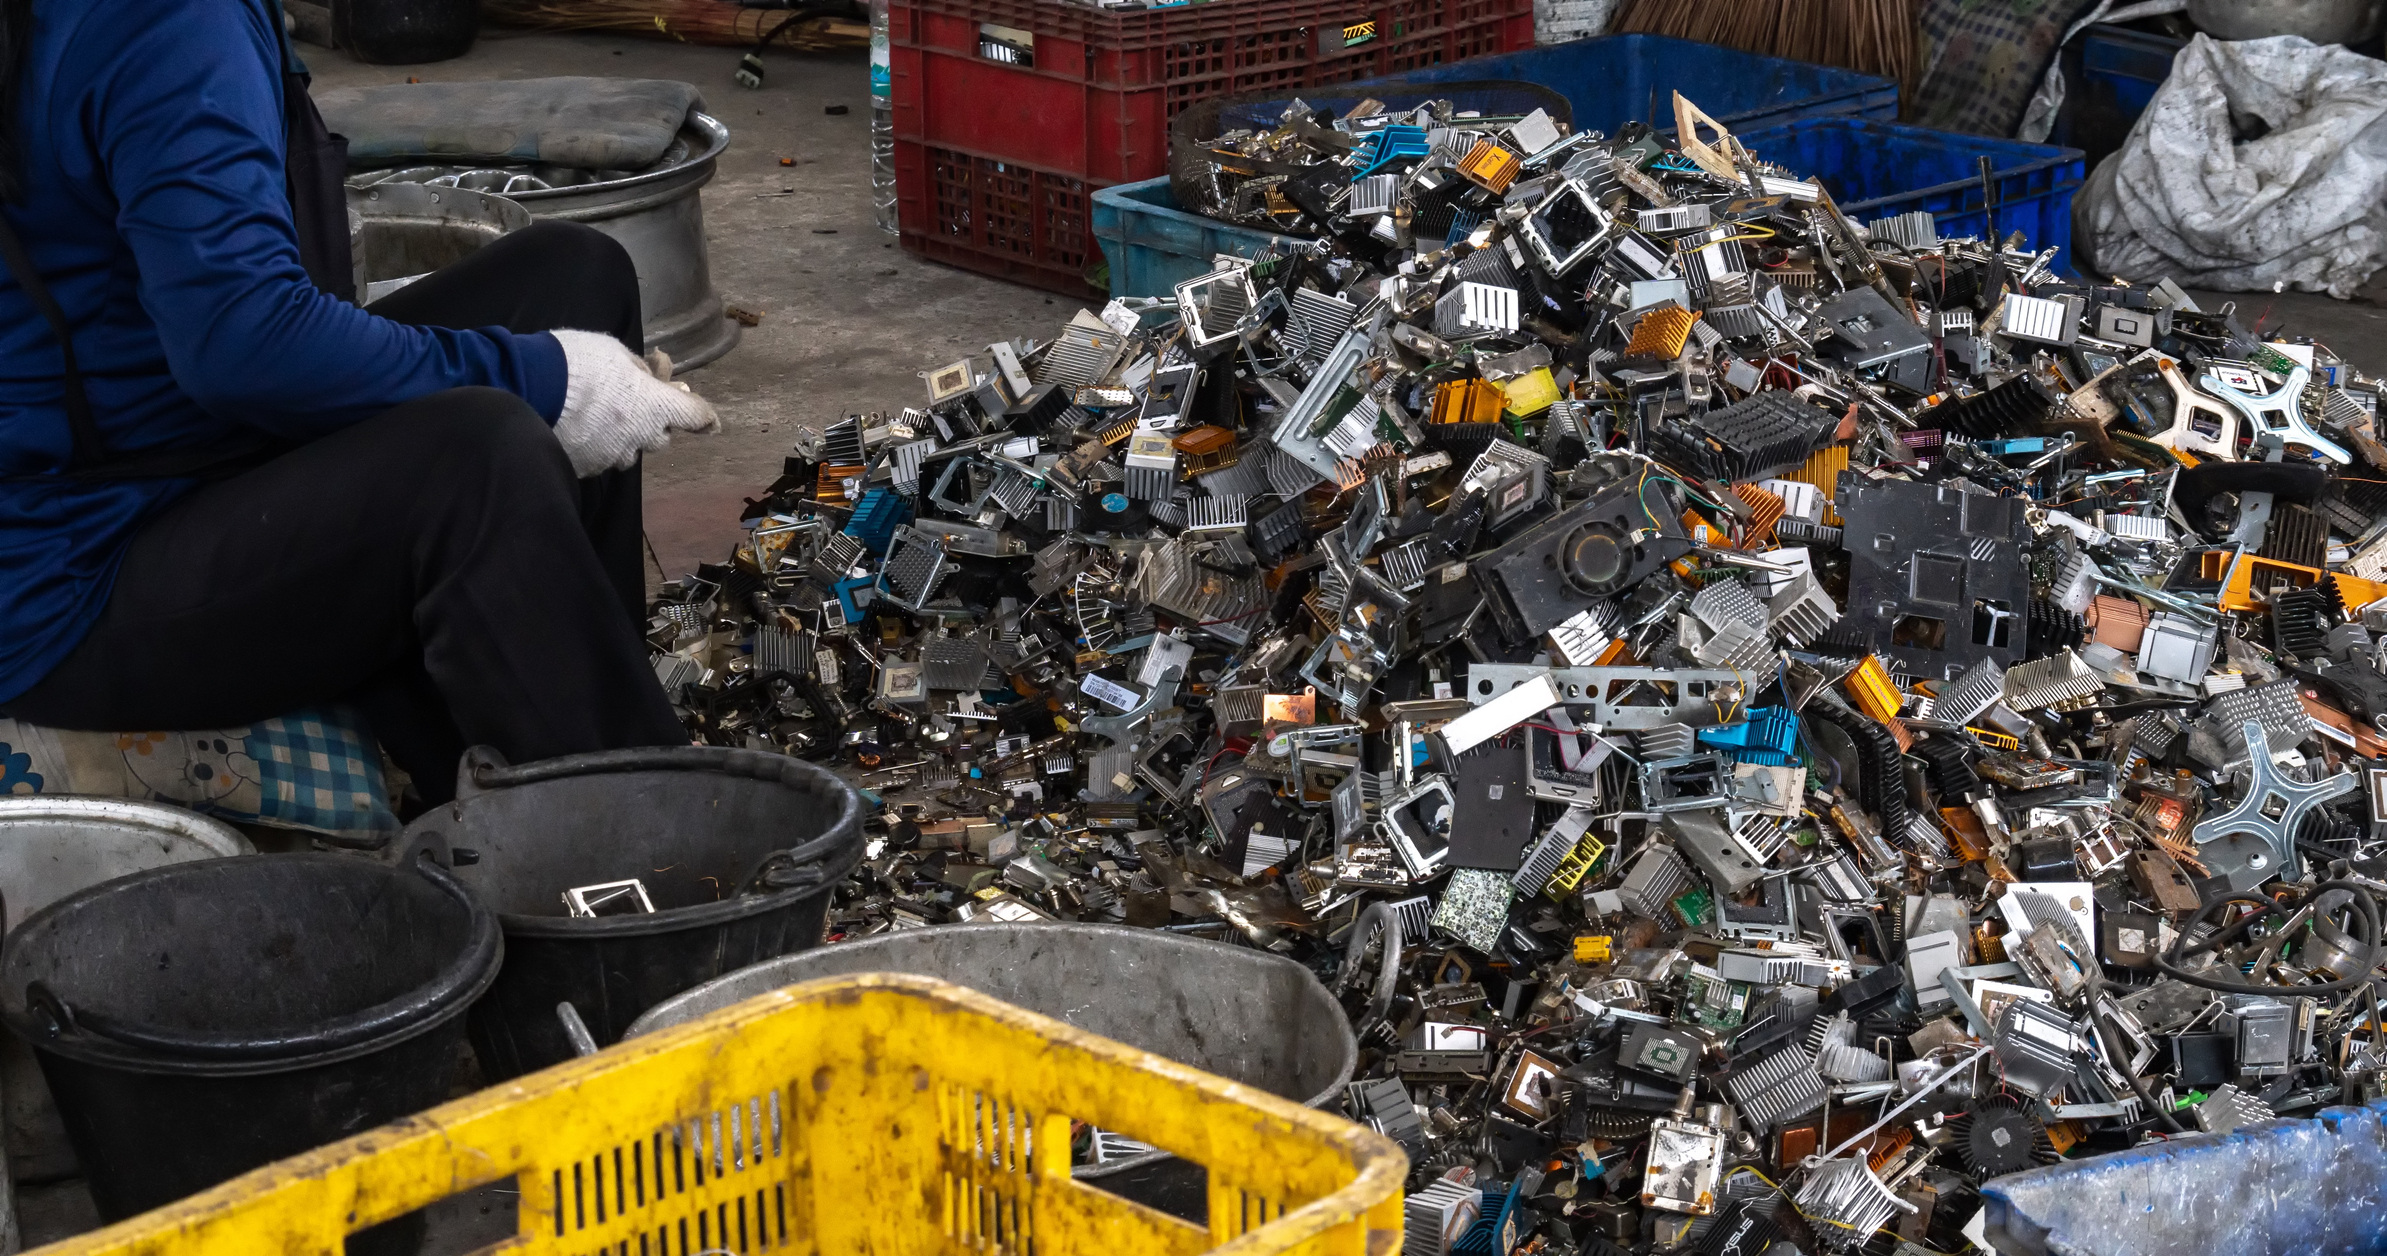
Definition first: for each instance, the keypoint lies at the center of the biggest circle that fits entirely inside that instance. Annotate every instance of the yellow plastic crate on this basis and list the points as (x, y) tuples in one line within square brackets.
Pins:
[(879, 1114)]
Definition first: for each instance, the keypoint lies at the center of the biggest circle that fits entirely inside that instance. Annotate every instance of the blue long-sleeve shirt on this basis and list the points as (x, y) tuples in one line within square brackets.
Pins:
[(155, 211)]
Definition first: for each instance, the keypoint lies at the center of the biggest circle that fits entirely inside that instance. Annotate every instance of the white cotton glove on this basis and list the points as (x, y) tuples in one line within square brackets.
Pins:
[(616, 407)]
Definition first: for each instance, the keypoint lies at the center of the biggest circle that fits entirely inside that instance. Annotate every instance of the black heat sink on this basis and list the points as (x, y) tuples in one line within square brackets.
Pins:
[(2048, 628), (2296, 535), (1839, 640), (2016, 406), (1464, 442), (1488, 266), (1748, 440), (1949, 767), (2300, 622), (1881, 788), (2367, 496), (1279, 533), (2328, 835)]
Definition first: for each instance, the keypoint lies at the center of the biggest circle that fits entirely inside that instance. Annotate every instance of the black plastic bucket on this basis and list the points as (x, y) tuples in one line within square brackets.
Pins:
[(405, 32), (738, 850), (199, 1020)]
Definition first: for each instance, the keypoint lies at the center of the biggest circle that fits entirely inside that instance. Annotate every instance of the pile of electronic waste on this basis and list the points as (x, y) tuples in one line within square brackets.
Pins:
[(1768, 721)]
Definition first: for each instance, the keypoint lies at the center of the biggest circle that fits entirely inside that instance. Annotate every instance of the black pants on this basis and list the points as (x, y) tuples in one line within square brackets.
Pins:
[(438, 565)]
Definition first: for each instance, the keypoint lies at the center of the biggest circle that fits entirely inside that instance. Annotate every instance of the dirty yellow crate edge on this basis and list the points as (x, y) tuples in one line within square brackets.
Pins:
[(763, 1112)]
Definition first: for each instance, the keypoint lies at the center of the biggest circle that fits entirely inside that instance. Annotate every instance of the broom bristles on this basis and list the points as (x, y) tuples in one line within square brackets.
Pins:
[(1869, 36)]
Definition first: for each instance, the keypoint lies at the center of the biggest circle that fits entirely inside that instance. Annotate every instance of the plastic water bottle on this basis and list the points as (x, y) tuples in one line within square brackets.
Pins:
[(882, 120)]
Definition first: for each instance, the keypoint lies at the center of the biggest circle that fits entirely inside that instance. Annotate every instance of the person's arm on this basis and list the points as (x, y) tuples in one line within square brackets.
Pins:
[(187, 119)]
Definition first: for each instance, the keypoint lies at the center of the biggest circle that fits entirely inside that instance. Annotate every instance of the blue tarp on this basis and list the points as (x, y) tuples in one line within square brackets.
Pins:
[(2281, 1188)]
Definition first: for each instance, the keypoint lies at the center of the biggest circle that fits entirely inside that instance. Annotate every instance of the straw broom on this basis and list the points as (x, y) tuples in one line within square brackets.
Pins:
[(1869, 36)]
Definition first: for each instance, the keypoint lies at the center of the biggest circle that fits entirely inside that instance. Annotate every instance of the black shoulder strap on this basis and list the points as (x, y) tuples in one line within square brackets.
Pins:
[(91, 448), (92, 459), (315, 173)]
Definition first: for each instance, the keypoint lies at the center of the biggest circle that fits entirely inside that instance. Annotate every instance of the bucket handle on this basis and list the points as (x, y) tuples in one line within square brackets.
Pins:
[(484, 769), (58, 1017), (784, 870)]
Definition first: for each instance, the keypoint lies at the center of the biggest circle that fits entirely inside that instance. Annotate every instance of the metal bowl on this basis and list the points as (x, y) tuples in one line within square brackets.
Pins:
[(656, 213), (399, 232)]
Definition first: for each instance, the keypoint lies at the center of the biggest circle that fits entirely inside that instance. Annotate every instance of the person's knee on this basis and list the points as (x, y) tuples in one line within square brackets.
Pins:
[(578, 246), (593, 259), (488, 434)]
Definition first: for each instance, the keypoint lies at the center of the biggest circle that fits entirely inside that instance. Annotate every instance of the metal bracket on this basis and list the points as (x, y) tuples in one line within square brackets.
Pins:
[(1622, 697), (2220, 442), (1121, 728), (2278, 417), (2272, 811)]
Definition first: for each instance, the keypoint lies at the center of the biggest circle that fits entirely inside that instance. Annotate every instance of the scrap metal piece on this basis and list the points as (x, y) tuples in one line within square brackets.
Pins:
[(1623, 698), (2060, 681), (1127, 727), (609, 898), (1215, 305), (1655, 880), (2199, 424), (2276, 417), (1847, 1197), (1686, 1160), (1937, 581), (2268, 817)]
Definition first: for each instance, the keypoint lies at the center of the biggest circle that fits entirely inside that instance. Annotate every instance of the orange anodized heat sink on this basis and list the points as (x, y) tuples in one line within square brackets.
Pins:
[(1768, 511), (1490, 166), (1468, 401), (2353, 593), (1822, 469), (830, 486), (1661, 333), (2117, 622), (1869, 686), (1207, 449)]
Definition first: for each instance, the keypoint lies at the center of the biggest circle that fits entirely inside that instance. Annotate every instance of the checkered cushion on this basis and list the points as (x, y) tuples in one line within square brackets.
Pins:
[(318, 771)]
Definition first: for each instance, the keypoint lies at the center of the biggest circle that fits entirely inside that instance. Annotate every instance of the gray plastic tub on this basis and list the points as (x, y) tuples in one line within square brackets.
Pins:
[(1246, 1015)]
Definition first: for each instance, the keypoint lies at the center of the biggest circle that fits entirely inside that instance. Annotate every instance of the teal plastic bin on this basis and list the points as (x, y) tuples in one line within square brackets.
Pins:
[(1152, 246), (1615, 79), (1879, 170)]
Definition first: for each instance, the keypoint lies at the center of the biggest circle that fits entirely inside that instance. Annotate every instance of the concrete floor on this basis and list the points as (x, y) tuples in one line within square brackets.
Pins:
[(849, 318)]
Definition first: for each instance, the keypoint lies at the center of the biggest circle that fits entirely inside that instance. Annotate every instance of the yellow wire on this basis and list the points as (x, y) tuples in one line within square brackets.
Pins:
[(1754, 233), (1754, 1172)]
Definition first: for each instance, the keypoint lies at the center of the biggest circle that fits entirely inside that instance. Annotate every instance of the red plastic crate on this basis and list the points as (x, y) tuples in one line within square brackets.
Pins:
[(1094, 107), (995, 217)]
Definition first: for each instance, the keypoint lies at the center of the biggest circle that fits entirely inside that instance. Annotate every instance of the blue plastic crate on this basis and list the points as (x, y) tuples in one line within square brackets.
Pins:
[(1152, 246), (1879, 170), (2112, 74), (2129, 64), (1615, 79)]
